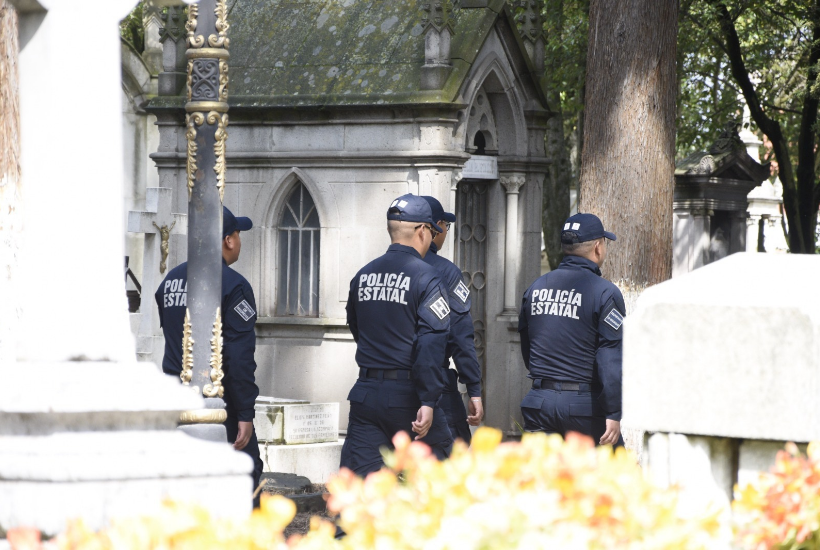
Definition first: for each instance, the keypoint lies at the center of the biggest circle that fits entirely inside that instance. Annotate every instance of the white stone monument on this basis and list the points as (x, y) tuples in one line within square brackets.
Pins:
[(85, 430), (298, 437), (722, 371)]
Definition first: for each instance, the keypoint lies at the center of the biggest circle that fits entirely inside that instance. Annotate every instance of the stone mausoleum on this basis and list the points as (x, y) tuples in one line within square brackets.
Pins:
[(336, 108)]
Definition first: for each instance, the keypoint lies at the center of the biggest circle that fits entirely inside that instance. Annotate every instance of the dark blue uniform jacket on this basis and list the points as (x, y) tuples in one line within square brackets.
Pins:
[(571, 329), (460, 342), (399, 316), (238, 337)]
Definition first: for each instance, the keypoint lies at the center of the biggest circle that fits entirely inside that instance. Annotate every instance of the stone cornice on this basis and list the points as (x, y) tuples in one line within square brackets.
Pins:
[(348, 159)]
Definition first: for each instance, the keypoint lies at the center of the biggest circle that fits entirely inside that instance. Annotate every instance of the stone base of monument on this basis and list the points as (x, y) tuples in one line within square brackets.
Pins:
[(78, 441), (298, 437), (315, 461), (721, 368)]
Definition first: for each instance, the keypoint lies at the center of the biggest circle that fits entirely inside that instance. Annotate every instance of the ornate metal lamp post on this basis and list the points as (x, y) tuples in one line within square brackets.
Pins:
[(206, 121)]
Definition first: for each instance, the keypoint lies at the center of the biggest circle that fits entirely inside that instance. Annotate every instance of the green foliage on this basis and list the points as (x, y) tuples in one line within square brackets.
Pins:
[(566, 26), (131, 28), (775, 36)]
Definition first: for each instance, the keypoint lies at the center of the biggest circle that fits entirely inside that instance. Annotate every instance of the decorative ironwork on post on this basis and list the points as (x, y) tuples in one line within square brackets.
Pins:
[(206, 121)]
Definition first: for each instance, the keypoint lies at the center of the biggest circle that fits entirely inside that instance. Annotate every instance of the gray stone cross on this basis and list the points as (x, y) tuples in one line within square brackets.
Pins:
[(158, 224)]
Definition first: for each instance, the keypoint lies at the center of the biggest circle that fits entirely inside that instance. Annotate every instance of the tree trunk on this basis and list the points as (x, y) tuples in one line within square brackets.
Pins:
[(10, 186), (628, 159)]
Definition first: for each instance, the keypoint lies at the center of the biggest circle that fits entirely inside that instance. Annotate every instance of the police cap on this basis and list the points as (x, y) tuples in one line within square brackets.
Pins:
[(438, 210), (412, 208), (581, 228), (231, 223)]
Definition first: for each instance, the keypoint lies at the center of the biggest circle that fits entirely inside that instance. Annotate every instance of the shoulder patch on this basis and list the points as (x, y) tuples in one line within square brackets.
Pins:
[(614, 319), (244, 310), (462, 292), (441, 308)]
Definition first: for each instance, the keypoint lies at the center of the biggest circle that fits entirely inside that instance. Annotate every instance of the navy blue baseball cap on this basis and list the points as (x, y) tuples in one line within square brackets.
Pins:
[(581, 228), (412, 208), (231, 223), (438, 210)]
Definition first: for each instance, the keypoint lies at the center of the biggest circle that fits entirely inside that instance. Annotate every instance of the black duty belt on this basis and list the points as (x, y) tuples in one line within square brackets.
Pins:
[(546, 384), (385, 374)]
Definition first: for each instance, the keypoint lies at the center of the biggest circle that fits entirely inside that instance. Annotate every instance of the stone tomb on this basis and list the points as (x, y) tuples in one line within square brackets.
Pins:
[(298, 437), (722, 372)]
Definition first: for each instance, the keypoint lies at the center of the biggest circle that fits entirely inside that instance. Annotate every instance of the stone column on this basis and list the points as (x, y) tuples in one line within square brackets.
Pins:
[(752, 230), (451, 239), (206, 122), (512, 184)]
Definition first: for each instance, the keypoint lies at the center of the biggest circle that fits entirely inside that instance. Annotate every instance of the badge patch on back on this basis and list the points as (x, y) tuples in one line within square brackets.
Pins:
[(462, 291), (440, 308), (614, 319), (244, 310)]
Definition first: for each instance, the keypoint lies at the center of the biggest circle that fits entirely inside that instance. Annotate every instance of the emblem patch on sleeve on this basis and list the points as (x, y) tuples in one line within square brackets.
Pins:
[(441, 308), (462, 291), (614, 319), (244, 310)]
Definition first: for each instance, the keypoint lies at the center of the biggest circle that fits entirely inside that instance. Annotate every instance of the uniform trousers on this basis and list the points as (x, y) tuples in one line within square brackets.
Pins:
[(453, 406), (251, 449), (379, 409), (557, 411)]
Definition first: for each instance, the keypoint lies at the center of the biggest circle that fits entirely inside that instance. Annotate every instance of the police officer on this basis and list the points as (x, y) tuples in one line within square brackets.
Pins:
[(238, 338), (398, 313), (460, 344), (570, 325)]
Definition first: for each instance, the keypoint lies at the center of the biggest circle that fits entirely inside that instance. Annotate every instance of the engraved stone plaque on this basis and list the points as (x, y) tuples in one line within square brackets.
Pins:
[(480, 167), (294, 422), (314, 423)]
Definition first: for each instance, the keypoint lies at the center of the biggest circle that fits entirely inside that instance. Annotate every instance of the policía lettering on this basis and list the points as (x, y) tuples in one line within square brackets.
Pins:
[(175, 293), (562, 303), (385, 287)]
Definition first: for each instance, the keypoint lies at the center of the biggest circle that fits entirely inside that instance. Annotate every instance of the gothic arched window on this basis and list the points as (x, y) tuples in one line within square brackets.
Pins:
[(299, 229)]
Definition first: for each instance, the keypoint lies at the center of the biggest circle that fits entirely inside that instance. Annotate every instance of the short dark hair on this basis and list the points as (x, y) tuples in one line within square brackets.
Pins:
[(569, 237)]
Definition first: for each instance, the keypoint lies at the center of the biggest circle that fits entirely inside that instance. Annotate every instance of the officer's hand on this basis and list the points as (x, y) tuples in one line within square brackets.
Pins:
[(476, 411), (612, 433), (424, 419), (243, 436)]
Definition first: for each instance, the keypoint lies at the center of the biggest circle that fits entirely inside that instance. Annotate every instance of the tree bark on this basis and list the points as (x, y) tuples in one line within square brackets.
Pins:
[(10, 185), (628, 159), (801, 193)]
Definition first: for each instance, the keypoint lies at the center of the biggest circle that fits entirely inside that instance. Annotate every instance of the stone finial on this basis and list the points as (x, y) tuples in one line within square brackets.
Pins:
[(172, 36), (530, 23), (729, 139), (438, 28), (529, 19), (173, 21), (439, 15)]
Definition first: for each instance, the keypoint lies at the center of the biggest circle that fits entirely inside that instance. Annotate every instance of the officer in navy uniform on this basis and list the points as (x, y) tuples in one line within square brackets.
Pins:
[(238, 338), (460, 343), (570, 326), (398, 313)]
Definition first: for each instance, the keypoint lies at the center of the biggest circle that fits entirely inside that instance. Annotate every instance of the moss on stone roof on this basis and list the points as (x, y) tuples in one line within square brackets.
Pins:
[(343, 52)]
